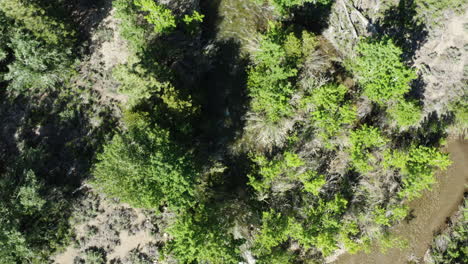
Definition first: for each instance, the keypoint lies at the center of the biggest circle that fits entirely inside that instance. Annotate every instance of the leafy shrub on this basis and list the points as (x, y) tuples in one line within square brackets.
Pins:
[(405, 113), (269, 80), (450, 246), (284, 169), (160, 17), (284, 5), (380, 70), (37, 67), (193, 21), (460, 112), (331, 111), (387, 218), (363, 141), (202, 238), (34, 19), (130, 28), (321, 227), (417, 166), (276, 229), (144, 168), (271, 170)]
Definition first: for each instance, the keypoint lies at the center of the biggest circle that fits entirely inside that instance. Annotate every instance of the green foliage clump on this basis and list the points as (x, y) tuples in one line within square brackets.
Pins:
[(130, 27), (160, 17), (193, 21), (34, 18), (417, 166), (321, 228), (270, 170), (146, 169), (405, 113), (387, 218), (269, 82), (451, 246), (276, 229), (433, 10), (322, 225), (331, 110), (136, 82), (203, 238), (29, 229), (349, 236), (284, 169), (284, 5), (380, 71), (36, 67), (460, 112), (363, 141)]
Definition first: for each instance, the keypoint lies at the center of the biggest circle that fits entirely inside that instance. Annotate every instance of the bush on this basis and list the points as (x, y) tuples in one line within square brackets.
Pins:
[(130, 28), (160, 17), (405, 113), (37, 67), (380, 71), (269, 80), (34, 19), (331, 110), (284, 169), (202, 238), (146, 169), (417, 165), (363, 141), (450, 246)]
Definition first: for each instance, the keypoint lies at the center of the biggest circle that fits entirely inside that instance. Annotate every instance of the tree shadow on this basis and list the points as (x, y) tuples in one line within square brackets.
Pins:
[(431, 130), (313, 17), (211, 72), (402, 25), (54, 137)]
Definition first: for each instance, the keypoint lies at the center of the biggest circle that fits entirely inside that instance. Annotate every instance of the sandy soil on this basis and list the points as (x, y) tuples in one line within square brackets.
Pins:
[(442, 61), (430, 211), (113, 222)]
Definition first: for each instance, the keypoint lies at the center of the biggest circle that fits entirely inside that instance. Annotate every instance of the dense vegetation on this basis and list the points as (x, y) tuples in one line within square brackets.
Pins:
[(450, 246), (316, 151)]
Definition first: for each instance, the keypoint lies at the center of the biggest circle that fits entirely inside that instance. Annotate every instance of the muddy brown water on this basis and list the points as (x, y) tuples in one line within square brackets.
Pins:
[(431, 212)]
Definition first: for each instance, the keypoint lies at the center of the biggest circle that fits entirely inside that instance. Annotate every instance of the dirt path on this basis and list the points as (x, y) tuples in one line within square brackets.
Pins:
[(430, 211)]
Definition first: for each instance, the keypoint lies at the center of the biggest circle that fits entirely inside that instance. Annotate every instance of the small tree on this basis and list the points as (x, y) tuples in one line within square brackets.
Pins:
[(417, 166), (405, 113), (157, 15), (363, 141), (380, 70), (146, 169)]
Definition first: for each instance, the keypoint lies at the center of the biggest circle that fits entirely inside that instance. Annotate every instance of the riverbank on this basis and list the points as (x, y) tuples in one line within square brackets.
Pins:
[(430, 213)]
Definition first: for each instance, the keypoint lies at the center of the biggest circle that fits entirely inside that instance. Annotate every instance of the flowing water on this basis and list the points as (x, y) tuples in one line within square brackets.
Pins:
[(430, 213)]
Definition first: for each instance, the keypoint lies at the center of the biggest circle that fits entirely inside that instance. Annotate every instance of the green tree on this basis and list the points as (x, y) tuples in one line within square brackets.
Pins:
[(130, 28), (331, 111), (37, 67), (363, 141), (380, 71), (146, 169), (269, 81), (160, 17), (417, 166), (35, 19), (405, 113), (203, 238)]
